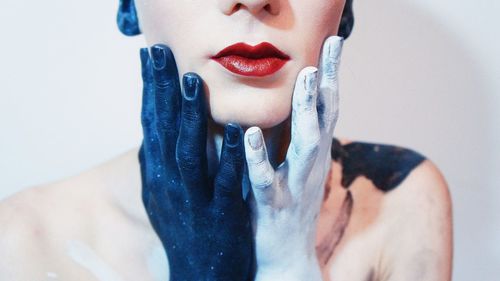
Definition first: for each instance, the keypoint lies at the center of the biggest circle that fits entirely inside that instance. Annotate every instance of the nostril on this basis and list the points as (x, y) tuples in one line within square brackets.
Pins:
[(236, 8), (268, 8)]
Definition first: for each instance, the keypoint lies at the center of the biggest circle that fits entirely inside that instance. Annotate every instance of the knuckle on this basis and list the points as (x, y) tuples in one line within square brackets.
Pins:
[(263, 182), (256, 159), (163, 82), (226, 183), (261, 175), (190, 117), (166, 130), (186, 160)]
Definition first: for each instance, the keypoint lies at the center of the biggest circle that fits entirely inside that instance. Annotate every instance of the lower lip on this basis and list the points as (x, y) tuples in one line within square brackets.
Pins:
[(251, 67)]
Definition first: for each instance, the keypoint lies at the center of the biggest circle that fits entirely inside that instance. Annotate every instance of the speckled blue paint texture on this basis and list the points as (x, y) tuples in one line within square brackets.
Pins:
[(202, 220)]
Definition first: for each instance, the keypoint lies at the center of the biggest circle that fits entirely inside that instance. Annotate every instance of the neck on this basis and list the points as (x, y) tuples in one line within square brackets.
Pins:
[(127, 196), (277, 140)]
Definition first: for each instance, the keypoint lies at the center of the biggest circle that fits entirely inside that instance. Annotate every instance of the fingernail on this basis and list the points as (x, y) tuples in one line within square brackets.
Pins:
[(159, 57), (232, 134), (191, 82), (254, 138)]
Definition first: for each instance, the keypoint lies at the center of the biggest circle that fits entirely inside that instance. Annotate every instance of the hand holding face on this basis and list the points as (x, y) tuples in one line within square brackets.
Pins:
[(203, 223), (287, 201)]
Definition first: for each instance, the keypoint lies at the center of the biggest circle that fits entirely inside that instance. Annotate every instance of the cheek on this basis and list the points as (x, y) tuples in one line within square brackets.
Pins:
[(179, 25), (182, 26), (316, 20), (164, 21)]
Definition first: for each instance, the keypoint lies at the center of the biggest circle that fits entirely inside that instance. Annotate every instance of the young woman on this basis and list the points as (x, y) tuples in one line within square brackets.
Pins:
[(241, 82)]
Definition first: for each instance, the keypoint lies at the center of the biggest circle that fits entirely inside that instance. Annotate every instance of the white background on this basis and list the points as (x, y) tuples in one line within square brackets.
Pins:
[(423, 74)]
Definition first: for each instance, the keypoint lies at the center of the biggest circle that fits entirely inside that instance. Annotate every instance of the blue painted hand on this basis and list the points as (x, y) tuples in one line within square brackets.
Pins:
[(203, 222)]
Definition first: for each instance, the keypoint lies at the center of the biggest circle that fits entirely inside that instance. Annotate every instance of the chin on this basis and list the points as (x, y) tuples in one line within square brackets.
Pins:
[(250, 109)]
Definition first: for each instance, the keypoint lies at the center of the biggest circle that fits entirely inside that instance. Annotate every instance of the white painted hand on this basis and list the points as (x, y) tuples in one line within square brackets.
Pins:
[(286, 201)]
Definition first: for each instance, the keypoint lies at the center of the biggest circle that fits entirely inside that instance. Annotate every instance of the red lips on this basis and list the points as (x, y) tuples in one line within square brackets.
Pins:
[(260, 60)]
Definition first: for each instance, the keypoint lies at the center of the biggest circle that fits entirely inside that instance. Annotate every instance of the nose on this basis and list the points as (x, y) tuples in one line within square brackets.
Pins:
[(255, 7)]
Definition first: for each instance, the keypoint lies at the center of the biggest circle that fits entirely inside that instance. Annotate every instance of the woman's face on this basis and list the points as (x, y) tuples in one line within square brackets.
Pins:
[(252, 91)]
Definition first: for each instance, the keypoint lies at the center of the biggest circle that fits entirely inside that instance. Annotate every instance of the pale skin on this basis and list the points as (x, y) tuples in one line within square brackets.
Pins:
[(94, 227), (61, 237), (40, 225)]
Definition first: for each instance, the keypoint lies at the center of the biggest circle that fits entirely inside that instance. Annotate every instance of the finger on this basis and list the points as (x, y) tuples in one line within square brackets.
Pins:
[(305, 137), (147, 113), (167, 97), (328, 100), (149, 155), (260, 171), (191, 145), (305, 128), (227, 187)]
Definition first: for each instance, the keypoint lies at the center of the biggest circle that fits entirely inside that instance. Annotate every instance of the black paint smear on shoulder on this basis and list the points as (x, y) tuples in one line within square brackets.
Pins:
[(385, 165)]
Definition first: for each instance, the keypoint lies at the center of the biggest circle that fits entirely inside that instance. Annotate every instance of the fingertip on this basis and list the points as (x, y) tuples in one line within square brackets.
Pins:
[(163, 58), (334, 38), (307, 79), (311, 79), (306, 88), (334, 48), (306, 71), (255, 148), (254, 138), (230, 173), (192, 85), (232, 134), (159, 57), (232, 155), (191, 75)]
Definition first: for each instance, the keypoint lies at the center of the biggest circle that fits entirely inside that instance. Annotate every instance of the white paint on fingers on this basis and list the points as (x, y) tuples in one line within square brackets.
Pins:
[(305, 139), (260, 171), (329, 89)]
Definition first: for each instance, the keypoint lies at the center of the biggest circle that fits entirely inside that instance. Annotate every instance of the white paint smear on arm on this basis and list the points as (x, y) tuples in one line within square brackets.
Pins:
[(87, 258)]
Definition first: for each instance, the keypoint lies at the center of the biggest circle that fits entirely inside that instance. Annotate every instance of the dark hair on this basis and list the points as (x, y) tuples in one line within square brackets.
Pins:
[(347, 21), (129, 25)]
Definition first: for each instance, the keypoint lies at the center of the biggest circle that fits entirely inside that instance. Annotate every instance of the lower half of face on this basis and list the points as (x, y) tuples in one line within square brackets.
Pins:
[(252, 86)]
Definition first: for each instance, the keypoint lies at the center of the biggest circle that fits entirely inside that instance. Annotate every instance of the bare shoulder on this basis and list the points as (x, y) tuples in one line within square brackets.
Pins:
[(408, 181), (425, 187), (408, 201), (419, 232), (40, 224), (36, 224), (386, 166)]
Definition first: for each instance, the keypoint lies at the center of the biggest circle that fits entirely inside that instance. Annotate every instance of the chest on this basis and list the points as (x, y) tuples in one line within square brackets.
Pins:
[(348, 230)]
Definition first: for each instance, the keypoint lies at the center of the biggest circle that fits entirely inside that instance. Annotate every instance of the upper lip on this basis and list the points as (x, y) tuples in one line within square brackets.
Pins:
[(262, 50)]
